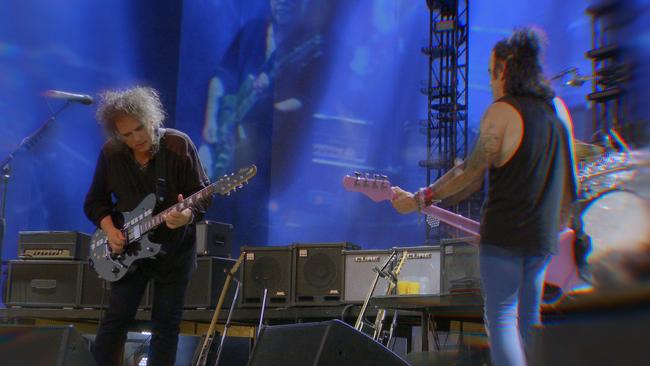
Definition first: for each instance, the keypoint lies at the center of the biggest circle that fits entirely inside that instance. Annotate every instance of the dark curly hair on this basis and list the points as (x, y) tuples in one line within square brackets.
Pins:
[(520, 56)]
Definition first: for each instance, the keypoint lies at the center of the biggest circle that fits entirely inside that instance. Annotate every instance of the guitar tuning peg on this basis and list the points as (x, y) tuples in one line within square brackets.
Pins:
[(357, 174)]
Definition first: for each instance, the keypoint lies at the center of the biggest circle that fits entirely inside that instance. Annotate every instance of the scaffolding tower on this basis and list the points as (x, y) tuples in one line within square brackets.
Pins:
[(447, 94)]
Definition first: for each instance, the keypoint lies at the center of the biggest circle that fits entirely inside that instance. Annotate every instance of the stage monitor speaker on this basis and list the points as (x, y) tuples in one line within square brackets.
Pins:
[(460, 270), (319, 273), (207, 282), (319, 344), (270, 268), (43, 346), (44, 283), (213, 239)]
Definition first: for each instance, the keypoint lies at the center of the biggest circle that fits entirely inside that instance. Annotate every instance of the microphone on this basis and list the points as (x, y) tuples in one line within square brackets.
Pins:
[(81, 98)]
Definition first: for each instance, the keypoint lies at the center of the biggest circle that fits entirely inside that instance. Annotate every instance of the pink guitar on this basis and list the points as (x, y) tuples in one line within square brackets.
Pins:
[(562, 271)]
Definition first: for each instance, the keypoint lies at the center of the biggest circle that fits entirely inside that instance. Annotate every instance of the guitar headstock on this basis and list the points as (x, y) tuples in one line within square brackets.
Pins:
[(375, 186), (234, 181), (400, 263)]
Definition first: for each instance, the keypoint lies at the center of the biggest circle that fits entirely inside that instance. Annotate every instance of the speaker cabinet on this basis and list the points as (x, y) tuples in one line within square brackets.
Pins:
[(319, 344), (213, 239), (270, 268), (95, 292), (460, 271), (207, 282), (319, 273), (422, 265), (44, 283), (43, 346)]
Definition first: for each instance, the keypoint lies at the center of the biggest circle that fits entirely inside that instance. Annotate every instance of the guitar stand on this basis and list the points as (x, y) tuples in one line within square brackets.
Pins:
[(201, 358), (259, 327), (228, 323)]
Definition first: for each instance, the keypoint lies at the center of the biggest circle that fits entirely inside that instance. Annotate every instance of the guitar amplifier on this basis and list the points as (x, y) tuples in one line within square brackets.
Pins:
[(213, 239), (319, 273), (422, 266), (53, 245), (44, 283), (460, 269), (270, 268), (207, 283)]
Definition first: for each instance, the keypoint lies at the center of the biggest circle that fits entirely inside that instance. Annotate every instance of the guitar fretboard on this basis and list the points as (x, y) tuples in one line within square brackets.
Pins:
[(189, 202)]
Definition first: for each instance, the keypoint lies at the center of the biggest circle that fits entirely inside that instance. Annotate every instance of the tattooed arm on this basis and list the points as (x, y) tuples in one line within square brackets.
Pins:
[(469, 174)]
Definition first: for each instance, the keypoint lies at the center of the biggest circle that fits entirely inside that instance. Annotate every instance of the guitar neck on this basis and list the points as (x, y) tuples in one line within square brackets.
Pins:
[(461, 222), (188, 202)]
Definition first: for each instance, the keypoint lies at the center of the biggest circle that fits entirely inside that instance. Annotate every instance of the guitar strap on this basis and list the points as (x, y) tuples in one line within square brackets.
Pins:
[(161, 168)]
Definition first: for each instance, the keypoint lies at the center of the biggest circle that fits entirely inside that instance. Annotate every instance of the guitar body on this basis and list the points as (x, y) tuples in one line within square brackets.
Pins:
[(113, 267)]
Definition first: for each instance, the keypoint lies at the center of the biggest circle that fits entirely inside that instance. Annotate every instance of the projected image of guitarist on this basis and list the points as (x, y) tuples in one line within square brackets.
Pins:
[(141, 158), (258, 80)]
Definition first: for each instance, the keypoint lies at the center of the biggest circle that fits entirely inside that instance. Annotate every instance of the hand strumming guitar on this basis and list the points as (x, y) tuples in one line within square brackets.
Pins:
[(116, 239)]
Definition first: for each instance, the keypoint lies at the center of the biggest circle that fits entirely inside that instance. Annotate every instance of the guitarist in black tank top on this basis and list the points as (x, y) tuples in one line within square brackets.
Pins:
[(525, 149)]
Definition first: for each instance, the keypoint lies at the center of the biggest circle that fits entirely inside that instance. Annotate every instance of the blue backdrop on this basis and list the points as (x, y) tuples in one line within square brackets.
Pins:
[(345, 98)]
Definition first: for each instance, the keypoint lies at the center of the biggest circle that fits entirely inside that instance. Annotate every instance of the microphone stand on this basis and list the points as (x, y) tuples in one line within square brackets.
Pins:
[(27, 143)]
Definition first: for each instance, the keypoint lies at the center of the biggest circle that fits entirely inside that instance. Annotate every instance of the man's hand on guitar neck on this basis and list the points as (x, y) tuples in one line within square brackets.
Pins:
[(404, 202), (175, 219)]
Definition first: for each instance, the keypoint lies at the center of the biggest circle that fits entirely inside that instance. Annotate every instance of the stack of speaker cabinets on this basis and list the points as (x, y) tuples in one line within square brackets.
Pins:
[(51, 270), (213, 248), (305, 274), (60, 277)]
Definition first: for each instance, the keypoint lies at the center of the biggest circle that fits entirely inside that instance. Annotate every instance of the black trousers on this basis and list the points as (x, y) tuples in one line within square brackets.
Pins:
[(166, 316)]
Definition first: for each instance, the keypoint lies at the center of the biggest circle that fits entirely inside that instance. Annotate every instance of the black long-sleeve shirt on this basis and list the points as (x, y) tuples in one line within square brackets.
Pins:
[(120, 184)]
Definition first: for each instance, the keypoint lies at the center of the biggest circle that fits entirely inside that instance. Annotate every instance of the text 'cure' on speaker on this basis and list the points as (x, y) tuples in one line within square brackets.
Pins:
[(43, 345), (270, 268), (319, 344), (207, 282), (319, 273), (213, 239)]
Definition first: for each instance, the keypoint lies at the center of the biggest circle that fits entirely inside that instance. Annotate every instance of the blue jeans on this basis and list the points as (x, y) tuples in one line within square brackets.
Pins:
[(512, 290)]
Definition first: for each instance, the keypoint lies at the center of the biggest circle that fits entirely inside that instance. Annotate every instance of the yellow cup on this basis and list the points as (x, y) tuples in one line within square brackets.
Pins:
[(403, 287), (408, 287), (414, 287)]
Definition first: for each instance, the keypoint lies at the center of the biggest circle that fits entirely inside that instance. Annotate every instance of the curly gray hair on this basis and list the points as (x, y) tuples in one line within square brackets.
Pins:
[(140, 102)]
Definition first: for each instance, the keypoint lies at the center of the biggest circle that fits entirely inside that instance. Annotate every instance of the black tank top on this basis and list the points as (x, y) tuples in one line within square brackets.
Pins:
[(522, 209)]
